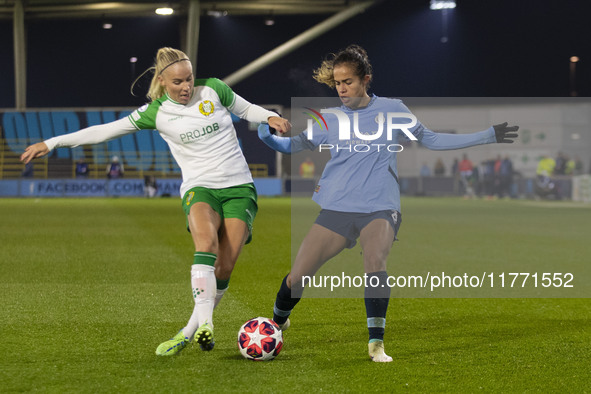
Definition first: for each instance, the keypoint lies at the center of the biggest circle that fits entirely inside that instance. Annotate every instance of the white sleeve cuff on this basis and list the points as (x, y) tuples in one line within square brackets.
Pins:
[(250, 112)]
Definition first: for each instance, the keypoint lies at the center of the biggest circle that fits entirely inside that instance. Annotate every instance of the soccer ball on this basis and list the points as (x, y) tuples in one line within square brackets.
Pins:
[(260, 339)]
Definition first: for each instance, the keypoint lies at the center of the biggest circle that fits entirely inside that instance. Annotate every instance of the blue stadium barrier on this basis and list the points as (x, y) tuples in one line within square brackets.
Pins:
[(109, 188)]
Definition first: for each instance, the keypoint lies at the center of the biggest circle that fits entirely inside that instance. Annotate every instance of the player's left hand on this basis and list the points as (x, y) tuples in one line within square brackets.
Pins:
[(505, 134), (279, 124)]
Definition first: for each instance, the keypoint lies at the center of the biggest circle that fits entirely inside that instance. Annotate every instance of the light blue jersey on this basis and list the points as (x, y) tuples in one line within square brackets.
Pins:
[(361, 175)]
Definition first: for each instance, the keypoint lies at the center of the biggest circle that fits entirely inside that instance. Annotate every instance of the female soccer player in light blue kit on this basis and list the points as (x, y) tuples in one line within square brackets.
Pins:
[(219, 198), (358, 190)]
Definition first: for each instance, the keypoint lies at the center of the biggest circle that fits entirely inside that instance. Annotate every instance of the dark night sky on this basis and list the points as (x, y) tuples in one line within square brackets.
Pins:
[(496, 48)]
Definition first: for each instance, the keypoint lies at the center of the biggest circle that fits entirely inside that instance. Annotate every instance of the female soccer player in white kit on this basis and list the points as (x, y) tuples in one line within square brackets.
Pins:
[(219, 197), (358, 190)]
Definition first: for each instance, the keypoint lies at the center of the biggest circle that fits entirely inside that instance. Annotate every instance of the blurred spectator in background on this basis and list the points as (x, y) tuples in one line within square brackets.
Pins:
[(307, 168), (425, 170), (579, 170), (81, 168), (559, 164), (28, 171), (569, 168), (546, 166), (544, 185), (487, 170), (115, 169), (439, 168), (497, 176), (466, 170), (506, 177), (455, 167), (455, 173), (150, 187)]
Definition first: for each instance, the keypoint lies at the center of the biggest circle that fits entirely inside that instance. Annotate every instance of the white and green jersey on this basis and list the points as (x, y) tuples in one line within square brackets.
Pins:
[(200, 134)]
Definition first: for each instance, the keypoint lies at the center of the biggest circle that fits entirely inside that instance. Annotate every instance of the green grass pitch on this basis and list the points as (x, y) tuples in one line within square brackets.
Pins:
[(90, 287)]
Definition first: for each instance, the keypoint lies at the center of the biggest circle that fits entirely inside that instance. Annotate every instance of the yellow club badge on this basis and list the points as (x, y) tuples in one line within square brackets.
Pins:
[(206, 107), (190, 197)]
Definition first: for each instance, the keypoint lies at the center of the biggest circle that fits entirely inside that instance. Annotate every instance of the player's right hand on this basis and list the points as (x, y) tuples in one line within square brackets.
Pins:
[(279, 124), (32, 151)]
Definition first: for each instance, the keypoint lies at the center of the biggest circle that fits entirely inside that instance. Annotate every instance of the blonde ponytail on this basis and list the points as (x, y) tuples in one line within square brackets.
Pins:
[(165, 57)]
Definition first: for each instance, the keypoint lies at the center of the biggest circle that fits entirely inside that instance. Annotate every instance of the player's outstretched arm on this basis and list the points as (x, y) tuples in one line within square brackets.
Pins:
[(88, 136), (31, 152), (500, 133), (505, 134), (280, 144), (287, 145)]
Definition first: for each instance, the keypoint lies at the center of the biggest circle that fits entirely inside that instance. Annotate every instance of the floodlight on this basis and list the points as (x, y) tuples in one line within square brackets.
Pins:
[(442, 5), (216, 13), (164, 11)]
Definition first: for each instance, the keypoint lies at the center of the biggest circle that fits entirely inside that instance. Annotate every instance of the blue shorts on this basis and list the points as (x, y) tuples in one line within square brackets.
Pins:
[(350, 224)]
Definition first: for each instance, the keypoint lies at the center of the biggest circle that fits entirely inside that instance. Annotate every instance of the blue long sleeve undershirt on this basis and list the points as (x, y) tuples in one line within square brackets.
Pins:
[(426, 137), (280, 144)]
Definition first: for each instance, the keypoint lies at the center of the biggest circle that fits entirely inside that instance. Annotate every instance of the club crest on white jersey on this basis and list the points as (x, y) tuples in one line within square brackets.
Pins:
[(206, 107)]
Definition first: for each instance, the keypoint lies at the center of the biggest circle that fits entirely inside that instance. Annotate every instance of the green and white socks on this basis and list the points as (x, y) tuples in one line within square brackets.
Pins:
[(203, 284), (221, 287)]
